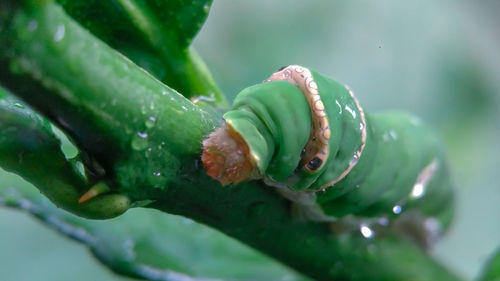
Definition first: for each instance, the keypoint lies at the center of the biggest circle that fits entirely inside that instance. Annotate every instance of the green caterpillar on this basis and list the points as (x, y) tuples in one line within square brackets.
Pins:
[(308, 135)]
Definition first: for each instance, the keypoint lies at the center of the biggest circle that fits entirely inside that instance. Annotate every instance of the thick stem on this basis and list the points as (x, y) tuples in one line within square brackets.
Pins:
[(29, 148), (115, 111)]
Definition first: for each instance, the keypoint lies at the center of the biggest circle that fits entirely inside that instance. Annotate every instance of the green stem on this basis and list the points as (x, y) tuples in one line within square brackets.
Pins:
[(115, 111), (29, 148)]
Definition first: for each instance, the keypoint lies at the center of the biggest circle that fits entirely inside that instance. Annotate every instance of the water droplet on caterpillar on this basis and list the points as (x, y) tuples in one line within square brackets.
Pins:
[(352, 112), (397, 209), (366, 231), (418, 190), (59, 34)]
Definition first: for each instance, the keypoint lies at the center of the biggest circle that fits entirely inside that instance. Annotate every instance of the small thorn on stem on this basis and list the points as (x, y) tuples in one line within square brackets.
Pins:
[(94, 191)]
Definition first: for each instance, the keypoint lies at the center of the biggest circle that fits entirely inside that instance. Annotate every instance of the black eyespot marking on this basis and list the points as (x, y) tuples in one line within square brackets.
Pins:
[(283, 67), (314, 164)]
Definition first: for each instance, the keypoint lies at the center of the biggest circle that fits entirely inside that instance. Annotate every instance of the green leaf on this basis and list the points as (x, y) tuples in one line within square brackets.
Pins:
[(129, 20), (491, 271), (155, 35), (150, 245)]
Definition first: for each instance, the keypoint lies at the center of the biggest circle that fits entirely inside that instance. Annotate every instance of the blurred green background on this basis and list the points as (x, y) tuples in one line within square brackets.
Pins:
[(437, 59)]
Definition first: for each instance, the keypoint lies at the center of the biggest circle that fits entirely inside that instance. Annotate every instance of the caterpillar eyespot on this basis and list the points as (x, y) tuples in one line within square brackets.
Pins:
[(314, 164), (306, 133)]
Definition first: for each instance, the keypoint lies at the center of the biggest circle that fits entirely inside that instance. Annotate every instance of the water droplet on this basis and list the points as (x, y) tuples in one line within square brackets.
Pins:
[(353, 113), (354, 160), (18, 105), (156, 174), (139, 141), (59, 35), (366, 231), (340, 106), (150, 123), (183, 107), (187, 221), (206, 8), (148, 152), (396, 209), (163, 93), (393, 134), (32, 25), (418, 190)]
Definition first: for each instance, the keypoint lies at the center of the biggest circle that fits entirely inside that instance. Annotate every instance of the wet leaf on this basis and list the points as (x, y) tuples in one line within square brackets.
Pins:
[(148, 244)]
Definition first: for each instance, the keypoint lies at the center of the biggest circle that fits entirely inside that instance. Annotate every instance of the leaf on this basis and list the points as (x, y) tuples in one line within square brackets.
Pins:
[(121, 20), (155, 35), (150, 245), (491, 271)]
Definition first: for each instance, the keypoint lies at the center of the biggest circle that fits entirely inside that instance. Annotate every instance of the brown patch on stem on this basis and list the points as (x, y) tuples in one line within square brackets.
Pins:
[(226, 157)]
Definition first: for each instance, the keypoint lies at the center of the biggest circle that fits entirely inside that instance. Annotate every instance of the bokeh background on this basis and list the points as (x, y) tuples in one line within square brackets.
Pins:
[(437, 59)]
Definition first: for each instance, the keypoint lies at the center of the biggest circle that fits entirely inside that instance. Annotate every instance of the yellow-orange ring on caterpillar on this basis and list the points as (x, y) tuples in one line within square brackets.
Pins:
[(316, 149)]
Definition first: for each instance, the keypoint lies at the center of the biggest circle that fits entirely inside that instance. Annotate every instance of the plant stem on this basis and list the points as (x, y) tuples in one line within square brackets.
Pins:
[(29, 148)]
